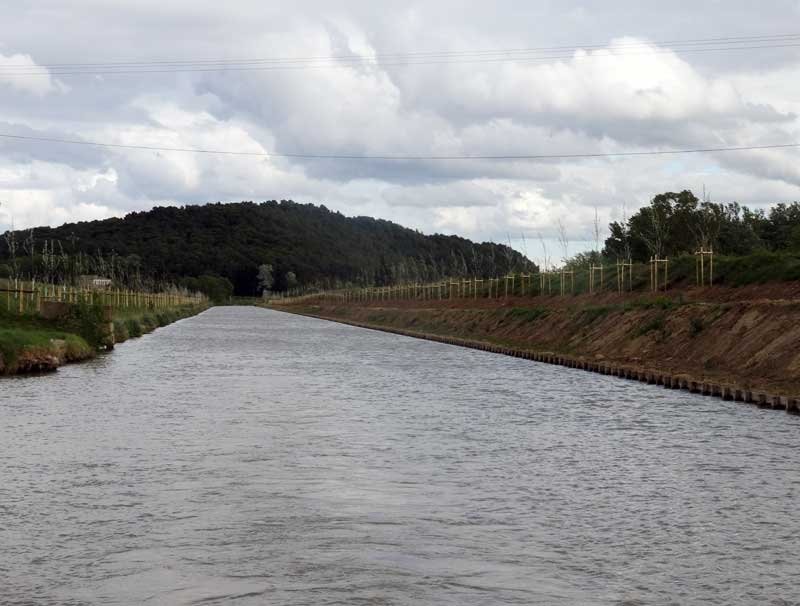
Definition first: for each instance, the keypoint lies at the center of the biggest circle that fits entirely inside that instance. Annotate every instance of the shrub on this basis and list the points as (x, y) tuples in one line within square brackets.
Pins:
[(696, 326), (528, 314), (89, 322), (120, 331), (656, 324), (591, 314), (134, 327)]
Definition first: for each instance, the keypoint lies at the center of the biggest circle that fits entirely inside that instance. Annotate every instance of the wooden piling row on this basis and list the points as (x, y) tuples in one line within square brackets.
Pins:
[(650, 376)]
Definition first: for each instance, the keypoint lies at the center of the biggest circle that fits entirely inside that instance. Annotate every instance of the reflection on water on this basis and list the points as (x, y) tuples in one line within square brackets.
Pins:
[(249, 457)]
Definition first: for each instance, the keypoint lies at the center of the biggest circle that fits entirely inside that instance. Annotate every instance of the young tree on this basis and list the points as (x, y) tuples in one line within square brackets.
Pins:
[(654, 228), (29, 246), (563, 239), (545, 256), (625, 234), (705, 223), (291, 280), (11, 241), (266, 277), (597, 232)]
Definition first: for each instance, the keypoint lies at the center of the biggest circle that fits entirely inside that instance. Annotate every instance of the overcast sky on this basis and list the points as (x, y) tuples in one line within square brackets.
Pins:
[(616, 86)]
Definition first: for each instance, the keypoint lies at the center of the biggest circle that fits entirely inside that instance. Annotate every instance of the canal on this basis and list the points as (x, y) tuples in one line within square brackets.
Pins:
[(247, 456)]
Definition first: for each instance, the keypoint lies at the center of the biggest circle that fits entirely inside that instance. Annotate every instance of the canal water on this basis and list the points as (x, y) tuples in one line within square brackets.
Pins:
[(247, 456)]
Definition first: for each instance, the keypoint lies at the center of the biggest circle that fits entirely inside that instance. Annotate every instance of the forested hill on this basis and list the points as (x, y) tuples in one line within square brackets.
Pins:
[(302, 242)]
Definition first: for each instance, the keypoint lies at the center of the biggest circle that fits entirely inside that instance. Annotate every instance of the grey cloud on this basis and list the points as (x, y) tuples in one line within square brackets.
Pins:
[(456, 109), (25, 151)]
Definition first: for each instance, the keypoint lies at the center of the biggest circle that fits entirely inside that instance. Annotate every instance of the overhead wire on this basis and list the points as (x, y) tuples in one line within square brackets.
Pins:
[(529, 55), (405, 158), (525, 55), (695, 41)]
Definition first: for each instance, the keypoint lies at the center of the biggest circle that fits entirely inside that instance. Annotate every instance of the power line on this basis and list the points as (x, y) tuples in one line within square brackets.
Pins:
[(695, 41), (532, 55), (406, 158), (372, 63)]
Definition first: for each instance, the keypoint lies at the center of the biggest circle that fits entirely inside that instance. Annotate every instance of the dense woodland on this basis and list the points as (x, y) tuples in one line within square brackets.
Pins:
[(247, 246), (244, 248), (675, 224)]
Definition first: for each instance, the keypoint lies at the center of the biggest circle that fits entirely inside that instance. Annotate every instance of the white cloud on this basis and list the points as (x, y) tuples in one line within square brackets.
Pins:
[(597, 101), (21, 73)]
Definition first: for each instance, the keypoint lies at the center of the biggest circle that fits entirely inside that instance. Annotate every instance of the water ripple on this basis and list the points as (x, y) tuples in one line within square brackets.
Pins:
[(248, 457)]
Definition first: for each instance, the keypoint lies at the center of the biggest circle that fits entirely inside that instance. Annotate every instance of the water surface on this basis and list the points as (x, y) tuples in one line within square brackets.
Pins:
[(246, 456)]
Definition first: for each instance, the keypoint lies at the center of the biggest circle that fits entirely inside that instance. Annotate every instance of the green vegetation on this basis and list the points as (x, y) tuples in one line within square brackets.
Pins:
[(656, 324), (134, 323), (14, 342), (528, 314), (245, 249), (216, 288), (696, 326), (219, 246), (588, 315), (676, 224), (30, 342), (758, 268), (84, 321), (26, 339)]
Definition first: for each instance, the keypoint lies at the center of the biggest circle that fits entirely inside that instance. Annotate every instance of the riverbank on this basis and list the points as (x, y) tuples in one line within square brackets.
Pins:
[(719, 338), (31, 343)]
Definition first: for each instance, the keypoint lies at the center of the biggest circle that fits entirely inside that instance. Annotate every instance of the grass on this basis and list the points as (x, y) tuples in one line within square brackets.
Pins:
[(757, 269), (656, 324), (131, 323), (29, 334), (16, 342), (82, 331), (526, 314), (589, 315)]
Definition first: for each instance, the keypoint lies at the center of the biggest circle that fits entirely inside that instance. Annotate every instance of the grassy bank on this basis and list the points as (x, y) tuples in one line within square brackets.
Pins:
[(130, 324), (748, 343), (25, 350), (30, 343)]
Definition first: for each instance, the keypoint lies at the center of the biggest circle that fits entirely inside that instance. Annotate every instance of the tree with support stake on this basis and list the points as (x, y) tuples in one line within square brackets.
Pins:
[(624, 268), (507, 279), (522, 278), (656, 265), (700, 266), (564, 274), (596, 271)]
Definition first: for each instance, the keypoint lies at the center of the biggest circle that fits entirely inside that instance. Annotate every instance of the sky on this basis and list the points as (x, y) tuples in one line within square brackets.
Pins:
[(412, 78)]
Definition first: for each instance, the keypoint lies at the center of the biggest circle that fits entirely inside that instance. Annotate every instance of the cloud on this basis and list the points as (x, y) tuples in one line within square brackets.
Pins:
[(21, 73), (600, 100)]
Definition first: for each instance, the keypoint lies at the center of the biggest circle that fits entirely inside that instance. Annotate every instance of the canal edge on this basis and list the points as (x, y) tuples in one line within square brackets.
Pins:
[(724, 391)]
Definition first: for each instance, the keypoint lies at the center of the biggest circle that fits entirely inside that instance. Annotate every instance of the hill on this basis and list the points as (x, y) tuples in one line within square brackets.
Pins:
[(304, 244)]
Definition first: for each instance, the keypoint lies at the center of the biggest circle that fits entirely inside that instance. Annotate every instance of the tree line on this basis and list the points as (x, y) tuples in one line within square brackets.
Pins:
[(675, 224), (246, 247)]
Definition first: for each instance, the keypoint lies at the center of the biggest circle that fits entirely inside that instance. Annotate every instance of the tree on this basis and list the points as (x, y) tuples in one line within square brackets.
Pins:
[(596, 229), (216, 288), (794, 238), (233, 240), (266, 277), (563, 239), (653, 228), (11, 242), (782, 220), (546, 263)]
